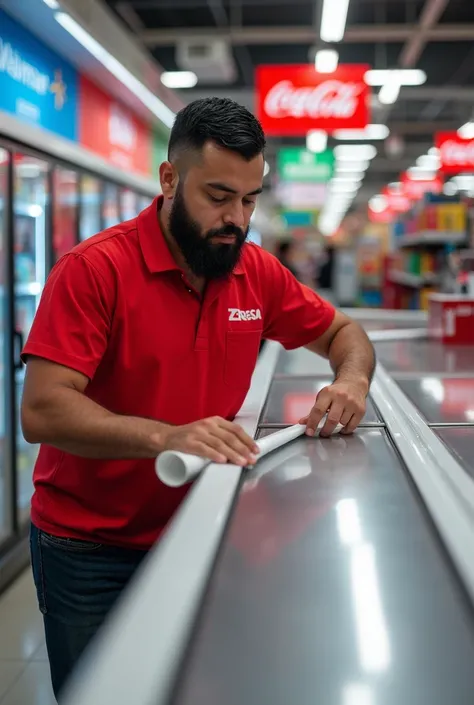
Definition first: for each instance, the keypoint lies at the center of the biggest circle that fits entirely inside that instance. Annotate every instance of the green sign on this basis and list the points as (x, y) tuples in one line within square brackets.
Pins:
[(296, 164), (159, 154)]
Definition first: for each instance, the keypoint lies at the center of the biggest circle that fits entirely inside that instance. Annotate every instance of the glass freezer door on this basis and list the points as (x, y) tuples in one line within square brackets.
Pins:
[(6, 518), (30, 218)]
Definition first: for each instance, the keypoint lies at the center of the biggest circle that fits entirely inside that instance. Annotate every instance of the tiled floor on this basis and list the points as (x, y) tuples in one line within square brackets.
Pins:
[(24, 668)]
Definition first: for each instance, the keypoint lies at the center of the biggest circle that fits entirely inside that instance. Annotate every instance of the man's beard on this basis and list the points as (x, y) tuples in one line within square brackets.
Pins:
[(205, 259)]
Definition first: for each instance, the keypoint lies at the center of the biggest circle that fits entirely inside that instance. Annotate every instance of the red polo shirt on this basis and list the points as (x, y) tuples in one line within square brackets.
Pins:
[(118, 309)]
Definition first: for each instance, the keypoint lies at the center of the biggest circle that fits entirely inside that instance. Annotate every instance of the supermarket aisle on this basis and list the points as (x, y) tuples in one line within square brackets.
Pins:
[(24, 668)]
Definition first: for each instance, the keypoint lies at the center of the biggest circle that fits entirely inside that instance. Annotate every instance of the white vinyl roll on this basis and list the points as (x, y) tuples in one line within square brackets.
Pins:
[(176, 469)]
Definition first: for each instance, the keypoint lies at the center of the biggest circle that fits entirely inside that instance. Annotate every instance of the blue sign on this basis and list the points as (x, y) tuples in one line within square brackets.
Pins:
[(36, 84)]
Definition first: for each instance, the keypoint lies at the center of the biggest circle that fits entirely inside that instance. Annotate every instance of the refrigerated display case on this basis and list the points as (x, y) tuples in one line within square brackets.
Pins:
[(31, 214), (47, 206)]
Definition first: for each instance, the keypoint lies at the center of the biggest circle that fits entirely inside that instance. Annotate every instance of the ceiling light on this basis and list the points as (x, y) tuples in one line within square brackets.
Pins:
[(419, 173), (151, 101), (450, 189), (378, 203), (429, 162), (389, 92), (371, 132), (53, 4), (404, 77), (395, 186), (353, 152), (338, 188), (347, 179), (179, 79), (467, 131), (326, 60), (333, 20), (433, 151), (316, 141), (266, 169), (350, 166)]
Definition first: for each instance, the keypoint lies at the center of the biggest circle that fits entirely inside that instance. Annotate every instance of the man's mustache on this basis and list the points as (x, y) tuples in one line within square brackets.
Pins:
[(228, 230)]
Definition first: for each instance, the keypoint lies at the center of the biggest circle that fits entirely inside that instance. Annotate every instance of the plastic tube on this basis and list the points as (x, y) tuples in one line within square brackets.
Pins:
[(176, 469)]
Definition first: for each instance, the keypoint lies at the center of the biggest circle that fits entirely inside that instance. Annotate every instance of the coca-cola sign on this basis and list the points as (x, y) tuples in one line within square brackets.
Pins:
[(294, 99), (456, 153)]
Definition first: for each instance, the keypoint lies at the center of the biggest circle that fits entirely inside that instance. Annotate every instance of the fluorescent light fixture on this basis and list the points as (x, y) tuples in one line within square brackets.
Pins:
[(151, 101), (326, 60), (53, 4), (333, 20), (347, 179), (430, 162), (433, 152), (420, 173), (434, 387), (389, 92), (450, 189), (316, 141), (344, 188), (266, 169), (467, 131), (351, 167), (179, 79), (371, 132), (353, 152), (372, 635), (378, 203), (395, 186), (404, 77)]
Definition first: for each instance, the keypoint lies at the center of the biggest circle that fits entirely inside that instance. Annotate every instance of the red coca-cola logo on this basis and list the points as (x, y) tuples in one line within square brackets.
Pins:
[(329, 99), (456, 153), (292, 100)]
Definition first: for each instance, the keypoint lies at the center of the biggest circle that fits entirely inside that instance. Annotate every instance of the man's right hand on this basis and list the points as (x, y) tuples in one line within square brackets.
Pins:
[(214, 438)]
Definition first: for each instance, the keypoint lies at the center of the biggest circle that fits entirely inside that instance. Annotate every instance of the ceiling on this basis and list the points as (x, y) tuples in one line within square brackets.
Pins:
[(433, 35)]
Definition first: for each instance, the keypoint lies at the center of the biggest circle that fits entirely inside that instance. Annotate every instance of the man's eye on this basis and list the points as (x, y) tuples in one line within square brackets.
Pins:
[(216, 200), (247, 202)]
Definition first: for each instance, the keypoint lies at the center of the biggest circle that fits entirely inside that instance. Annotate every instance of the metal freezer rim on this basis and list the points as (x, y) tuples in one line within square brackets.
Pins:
[(134, 660)]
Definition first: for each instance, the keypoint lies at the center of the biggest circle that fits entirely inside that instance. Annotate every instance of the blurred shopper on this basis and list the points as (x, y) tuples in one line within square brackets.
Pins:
[(285, 254), (146, 338), (326, 272)]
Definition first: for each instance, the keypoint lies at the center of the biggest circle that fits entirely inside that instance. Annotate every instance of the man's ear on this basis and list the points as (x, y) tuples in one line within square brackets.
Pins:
[(169, 179)]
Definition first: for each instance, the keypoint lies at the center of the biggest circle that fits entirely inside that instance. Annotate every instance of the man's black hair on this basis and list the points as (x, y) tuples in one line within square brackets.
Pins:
[(218, 120)]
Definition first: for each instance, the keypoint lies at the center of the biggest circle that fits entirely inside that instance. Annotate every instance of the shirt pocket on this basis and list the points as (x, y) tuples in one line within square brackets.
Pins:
[(242, 348)]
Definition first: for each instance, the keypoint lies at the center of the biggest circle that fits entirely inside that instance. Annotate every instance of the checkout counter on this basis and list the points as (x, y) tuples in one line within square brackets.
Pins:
[(337, 571)]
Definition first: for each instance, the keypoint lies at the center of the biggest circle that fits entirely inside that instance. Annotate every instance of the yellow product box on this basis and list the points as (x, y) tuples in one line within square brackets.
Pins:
[(427, 263), (451, 217), (425, 297)]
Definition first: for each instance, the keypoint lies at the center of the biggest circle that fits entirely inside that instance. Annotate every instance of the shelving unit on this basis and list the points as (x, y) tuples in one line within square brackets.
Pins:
[(431, 237)]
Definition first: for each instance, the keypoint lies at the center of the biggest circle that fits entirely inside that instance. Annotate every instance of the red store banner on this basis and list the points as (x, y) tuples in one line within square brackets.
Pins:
[(415, 189), (397, 199), (294, 99), (112, 131), (456, 153)]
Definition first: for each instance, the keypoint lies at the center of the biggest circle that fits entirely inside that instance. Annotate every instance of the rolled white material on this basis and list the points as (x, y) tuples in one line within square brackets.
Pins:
[(176, 469)]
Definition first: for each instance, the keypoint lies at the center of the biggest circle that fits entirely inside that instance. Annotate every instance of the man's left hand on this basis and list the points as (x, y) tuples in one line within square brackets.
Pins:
[(344, 402)]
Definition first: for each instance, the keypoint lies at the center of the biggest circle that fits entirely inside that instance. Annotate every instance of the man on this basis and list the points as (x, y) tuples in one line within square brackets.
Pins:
[(145, 340)]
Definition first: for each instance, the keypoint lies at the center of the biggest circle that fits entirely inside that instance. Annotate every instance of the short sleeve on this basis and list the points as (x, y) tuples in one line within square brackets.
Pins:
[(294, 314), (73, 321)]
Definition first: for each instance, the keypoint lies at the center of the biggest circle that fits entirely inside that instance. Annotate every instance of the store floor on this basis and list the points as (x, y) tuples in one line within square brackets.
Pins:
[(24, 667)]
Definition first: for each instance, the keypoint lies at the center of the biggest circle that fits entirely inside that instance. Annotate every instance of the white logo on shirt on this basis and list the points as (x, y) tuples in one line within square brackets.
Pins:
[(235, 314)]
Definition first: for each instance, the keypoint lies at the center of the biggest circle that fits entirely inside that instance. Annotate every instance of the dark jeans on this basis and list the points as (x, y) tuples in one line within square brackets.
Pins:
[(77, 584)]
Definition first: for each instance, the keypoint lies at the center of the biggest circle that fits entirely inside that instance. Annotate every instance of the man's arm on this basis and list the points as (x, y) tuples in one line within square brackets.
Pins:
[(351, 355), (56, 411)]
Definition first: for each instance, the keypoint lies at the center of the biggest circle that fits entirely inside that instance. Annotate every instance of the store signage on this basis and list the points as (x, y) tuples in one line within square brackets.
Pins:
[(415, 189), (114, 132), (397, 199), (294, 99), (456, 153), (36, 84), (295, 196), (299, 219), (295, 164)]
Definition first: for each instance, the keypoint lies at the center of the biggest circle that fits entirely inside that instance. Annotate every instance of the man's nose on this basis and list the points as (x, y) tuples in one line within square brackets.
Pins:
[(234, 215)]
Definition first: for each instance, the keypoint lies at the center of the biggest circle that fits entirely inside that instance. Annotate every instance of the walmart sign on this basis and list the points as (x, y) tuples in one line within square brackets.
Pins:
[(36, 84)]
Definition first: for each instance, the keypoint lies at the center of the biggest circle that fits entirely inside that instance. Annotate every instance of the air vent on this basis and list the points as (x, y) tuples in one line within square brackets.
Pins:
[(211, 61)]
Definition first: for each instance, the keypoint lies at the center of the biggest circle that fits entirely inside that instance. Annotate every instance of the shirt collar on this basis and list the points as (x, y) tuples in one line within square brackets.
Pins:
[(156, 252)]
